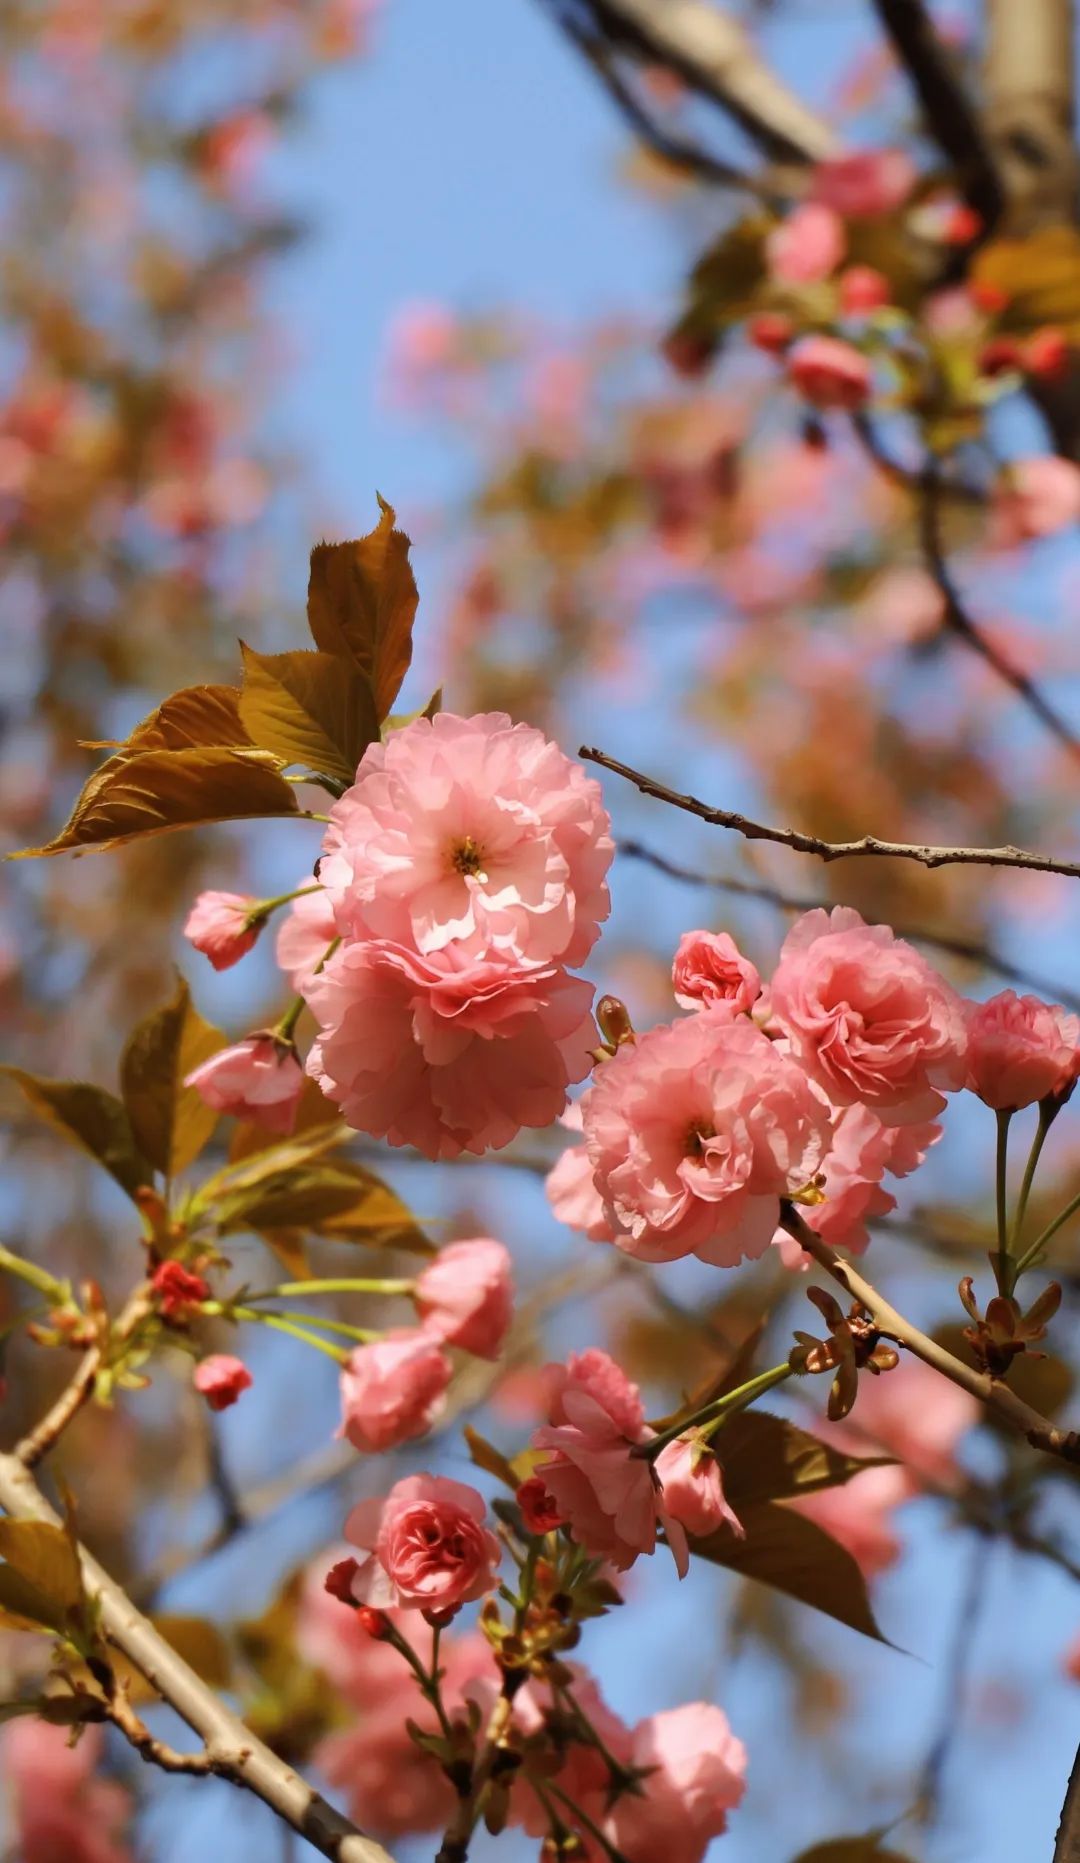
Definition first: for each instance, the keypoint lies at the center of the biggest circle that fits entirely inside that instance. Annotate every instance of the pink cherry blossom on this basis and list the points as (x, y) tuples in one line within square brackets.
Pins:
[(259, 1078), (866, 183), (696, 1774), (862, 1151), (694, 1489), (1036, 497), (221, 1379), (695, 1132), (474, 831), (570, 1190), (806, 247), (709, 970), (448, 1052), (1021, 1050), (218, 926), (429, 1548), (393, 1389), (58, 1807), (305, 935), (829, 373), (466, 1296), (870, 1020), (607, 1495)]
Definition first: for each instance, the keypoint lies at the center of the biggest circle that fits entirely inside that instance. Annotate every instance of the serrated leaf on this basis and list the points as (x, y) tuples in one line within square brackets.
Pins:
[(171, 1122), (766, 1458), (362, 602), (45, 1555), (91, 1118), (491, 1460), (329, 1196), (194, 716), (794, 1555), (316, 710), (156, 791)]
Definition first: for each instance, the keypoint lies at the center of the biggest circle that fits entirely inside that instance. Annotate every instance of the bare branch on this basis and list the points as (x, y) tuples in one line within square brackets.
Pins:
[(718, 60), (951, 118), (870, 846), (1040, 1432), (971, 950), (1067, 1848), (232, 1751)]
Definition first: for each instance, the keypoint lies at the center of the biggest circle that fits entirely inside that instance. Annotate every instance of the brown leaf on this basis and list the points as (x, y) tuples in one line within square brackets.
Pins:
[(288, 1248), (851, 1850), (794, 1555), (362, 603), (491, 1460), (154, 791), (196, 716), (91, 1118), (330, 1196), (44, 1555), (171, 1122), (766, 1458), (312, 709), (24, 1606)]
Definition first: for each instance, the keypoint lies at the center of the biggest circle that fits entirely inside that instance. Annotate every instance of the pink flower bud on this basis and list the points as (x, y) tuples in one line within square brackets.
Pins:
[(1021, 1050), (218, 926), (466, 1296), (694, 1490), (709, 970), (1047, 353), (807, 247), (393, 1389), (259, 1078), (220, 1379), (771, 331), (339, 1580)]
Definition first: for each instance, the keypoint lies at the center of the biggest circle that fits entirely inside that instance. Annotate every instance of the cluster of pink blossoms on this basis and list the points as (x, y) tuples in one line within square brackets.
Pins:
[(59, 1806), (815, 1087), (429, 1551)]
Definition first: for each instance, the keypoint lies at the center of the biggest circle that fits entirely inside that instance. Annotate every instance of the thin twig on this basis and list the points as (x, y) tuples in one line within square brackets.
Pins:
[(1040, 1432), (870, 846), (232, 1751), (971, 950)]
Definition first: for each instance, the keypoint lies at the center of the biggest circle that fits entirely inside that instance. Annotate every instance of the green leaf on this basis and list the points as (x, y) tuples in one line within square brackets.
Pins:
[(491, 1460), (851, 1850), (362, 602), (766, 1458), (171, 1122), (155, 791), (312, 709), (46, 1557), (330, 1196), (91, 1118), (794, 1555)]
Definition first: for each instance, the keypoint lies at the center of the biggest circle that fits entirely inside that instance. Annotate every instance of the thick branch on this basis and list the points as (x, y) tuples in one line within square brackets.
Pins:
[(715, 57), (870, 846), (950, 116), (1040, 1432), (231, 1750), (1030, 105), (1067, 1848)]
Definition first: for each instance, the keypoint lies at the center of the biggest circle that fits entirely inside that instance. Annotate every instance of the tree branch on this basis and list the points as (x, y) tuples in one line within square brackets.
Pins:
[(1040, 1432), (870, 846), (232, 1751), (969, 949), (1067, 1848), (716, 58), (1029, 83), (950, 115)]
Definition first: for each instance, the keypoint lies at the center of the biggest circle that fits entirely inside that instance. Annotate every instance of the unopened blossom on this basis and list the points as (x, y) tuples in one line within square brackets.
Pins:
[(259, 1078), (393, 1389), (305, 935), (866, 183), (806, 247), (829, 373), (1035, 497), (59, 1808), (695, 1774), (220, 926), (863, 290), (1021, 1050), (539, 1508), (771, 331), (869, 1019), (447, 1052), (691, 1478), (221, 1379), (466, 1296), (472, 831), (428, 1546), (695, 1132), (710, 970), (177, 1290), (607, 1495)]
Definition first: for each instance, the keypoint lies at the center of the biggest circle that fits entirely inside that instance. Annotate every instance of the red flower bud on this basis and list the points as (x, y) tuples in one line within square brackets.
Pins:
[(988, 297), (1047, 354), (178, 1291), (538, 1508), (338, 1582), (999, 355), (376, 1623), (770, 331)]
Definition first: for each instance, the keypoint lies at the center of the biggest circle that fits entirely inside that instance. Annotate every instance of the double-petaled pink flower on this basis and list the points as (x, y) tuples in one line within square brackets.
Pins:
[(393, 1389), (606, 1494), (861, 1153), (449, 1052), (869, 1019), (695, 1131), (474, 832), (428, 1546), (466, 1296), (710, 971), (1021, 1050)]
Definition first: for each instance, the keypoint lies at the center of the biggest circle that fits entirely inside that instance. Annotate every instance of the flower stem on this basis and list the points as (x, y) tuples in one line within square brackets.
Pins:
[(1047, 1115), (58, 1292), (1003, 1266), (218, 1308), (582, 1818), (263, 907), (335, 1287), (715, 1413), (1031, 1255)]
